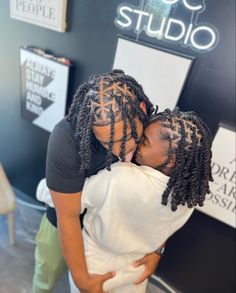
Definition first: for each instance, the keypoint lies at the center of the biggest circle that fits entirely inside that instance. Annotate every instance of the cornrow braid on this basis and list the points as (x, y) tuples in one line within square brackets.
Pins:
[(189, 178), (132, 122), (206, 155), (78, 97), (106, 99), (124, 139), (180, 162), (87, 140), (137, 90), (109, 152)]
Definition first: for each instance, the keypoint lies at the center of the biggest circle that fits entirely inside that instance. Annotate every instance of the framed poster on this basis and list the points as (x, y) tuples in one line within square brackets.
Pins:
[(162, 73), (44, 85), (221, 202), (49, 14)]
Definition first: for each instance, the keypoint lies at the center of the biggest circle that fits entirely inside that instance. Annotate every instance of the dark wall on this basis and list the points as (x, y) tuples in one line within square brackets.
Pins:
[(200, 257)]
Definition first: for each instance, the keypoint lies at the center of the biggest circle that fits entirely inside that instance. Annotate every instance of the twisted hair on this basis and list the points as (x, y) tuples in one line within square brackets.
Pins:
[(106, 99), (190, 141)]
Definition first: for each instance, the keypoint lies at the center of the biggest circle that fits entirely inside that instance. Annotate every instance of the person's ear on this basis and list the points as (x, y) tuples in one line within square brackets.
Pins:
[(143, 107)]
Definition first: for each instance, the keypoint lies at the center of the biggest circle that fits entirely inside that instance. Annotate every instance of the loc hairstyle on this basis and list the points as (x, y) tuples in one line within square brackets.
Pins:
[(190, 140), (104, 100)]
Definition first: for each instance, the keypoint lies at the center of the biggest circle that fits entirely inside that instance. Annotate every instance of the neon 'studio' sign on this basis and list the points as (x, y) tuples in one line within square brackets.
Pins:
[(200, 37)]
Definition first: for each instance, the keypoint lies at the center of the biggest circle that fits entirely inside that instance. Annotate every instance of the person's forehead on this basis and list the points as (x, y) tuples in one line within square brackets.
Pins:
[(153, 129)]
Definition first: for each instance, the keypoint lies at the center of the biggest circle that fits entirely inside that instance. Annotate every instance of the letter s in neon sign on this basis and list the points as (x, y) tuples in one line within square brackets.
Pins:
[(122, 14)]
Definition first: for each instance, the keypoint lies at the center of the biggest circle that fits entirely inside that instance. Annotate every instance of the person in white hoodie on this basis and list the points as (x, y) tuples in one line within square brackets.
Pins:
[(133, 209)]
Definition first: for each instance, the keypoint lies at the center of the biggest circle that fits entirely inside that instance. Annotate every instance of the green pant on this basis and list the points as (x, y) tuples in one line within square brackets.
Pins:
[(49, 261)]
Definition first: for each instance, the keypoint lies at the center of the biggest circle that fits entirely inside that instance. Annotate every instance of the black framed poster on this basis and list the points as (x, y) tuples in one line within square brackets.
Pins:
[(220, 203), (44, 86)]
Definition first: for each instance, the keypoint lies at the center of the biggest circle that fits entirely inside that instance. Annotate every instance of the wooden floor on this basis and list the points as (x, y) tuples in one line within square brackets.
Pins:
[(17, 262)]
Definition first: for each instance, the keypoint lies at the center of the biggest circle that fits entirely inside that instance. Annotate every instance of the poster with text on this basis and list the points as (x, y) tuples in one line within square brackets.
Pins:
[(44, 85), (220, 203), (49, 14)]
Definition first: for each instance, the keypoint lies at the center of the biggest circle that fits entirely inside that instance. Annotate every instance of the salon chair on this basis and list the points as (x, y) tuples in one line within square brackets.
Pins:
[(7, 202)]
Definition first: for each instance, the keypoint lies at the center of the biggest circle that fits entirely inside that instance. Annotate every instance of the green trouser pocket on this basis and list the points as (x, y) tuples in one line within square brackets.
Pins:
[(49, 261)]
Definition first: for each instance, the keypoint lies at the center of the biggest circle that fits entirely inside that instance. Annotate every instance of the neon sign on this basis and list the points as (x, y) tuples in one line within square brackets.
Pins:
[(198, 36)]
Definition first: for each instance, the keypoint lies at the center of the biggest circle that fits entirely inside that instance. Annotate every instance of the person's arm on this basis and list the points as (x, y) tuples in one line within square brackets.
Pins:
[(68, 208), (65, 181)]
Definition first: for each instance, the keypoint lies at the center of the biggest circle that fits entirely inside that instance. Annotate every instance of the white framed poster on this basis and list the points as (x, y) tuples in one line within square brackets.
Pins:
[(50, 14), (161, 73), (44, 86), (221, 202)]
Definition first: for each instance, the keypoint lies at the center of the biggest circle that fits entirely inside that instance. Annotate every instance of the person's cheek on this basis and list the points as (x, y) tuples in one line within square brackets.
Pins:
[(116, 150)]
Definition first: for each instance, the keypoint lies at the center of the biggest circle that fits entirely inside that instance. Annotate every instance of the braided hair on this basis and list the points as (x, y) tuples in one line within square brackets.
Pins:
[(103, 100), (190, 141)]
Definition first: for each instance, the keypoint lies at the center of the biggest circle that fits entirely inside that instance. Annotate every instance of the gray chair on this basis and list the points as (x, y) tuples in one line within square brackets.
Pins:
[(7, 202)]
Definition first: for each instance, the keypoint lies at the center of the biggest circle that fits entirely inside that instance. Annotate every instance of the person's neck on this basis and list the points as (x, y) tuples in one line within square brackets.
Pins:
[(166, 170)]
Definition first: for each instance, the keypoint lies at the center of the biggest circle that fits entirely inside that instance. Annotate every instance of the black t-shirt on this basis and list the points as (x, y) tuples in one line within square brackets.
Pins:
[(63, 163)]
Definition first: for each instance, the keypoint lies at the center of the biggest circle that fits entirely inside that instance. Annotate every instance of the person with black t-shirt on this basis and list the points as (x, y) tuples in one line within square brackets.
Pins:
[(104, 125)]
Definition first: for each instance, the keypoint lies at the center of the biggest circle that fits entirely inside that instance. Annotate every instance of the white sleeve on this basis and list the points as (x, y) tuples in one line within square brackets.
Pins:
[(95, 190), (43, 194)]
